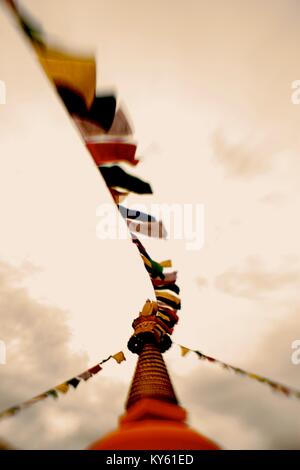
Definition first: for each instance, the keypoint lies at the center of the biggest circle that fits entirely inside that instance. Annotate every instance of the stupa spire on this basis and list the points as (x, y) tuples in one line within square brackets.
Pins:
[(153, 418), (151, 378)]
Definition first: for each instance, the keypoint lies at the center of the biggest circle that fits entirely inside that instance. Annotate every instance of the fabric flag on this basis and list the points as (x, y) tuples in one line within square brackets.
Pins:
[(74, 382), (93, 120), (115, 176), (149, 308), (211, 359), (63, 388), (168, 278), (166, 264), (169, 318), (103, 111), (87, 128), (164, 328), (172, 313), (74, 102), (139, 246), (10, 412), (94, 370), (85, 375), (74, 72), (32, 31), (135, 214), (153, 268), (53, 393), (119, 357), (165, 318), (110, 152), (201, 356), (168, 299), (237, 370), (171, 287), (12, 5), (120, 125), (149, 229), (184, 350)]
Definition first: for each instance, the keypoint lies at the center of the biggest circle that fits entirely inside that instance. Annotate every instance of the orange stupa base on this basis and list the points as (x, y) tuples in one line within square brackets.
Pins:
[(154, 425), (154, 420)]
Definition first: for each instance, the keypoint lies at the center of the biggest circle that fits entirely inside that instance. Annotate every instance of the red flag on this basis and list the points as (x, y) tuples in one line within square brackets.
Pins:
[(108, 152)]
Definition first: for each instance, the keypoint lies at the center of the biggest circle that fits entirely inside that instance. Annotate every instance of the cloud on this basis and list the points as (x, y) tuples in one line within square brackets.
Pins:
[(238, 72), (234, 411), (252, 280), (240, 413), (73, 421), (38, 357), (36, 337), (240, 159)]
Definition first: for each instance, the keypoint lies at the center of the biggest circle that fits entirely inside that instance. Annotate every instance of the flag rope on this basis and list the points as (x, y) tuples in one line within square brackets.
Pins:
[(64, 387), (275, 386)]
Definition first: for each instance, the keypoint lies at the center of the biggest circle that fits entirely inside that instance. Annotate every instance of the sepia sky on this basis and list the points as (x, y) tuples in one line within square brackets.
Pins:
[(208, 88)]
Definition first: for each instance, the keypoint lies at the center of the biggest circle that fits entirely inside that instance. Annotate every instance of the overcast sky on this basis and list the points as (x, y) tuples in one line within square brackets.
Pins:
[(208, 88)]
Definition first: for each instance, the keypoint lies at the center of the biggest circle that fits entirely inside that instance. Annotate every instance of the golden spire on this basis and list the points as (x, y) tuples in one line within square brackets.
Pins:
[(153, 419), (151, 378)]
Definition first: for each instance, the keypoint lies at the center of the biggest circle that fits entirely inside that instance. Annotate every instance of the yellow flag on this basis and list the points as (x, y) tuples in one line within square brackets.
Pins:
[(184, 350), (63, 388), (165, 295), (76, 73), (149, 308), (262, 379), (146, 261), (164, 317), (254, 376), (166, 264), (119, 357)]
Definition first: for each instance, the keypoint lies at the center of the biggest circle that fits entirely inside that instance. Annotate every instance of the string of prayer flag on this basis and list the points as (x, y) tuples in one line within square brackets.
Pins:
[(275, 386), (64, 387), (107, 135), (167, 302)]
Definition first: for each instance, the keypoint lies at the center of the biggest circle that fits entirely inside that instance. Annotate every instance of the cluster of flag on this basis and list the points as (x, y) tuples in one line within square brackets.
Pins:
[(105, 129), (107, 134), (62, 388), (119, 357), (275, 386), (165, 288)]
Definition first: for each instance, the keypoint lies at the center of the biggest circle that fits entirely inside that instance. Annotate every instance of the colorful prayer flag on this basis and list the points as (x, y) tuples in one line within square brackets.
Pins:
[(77, 73), (115, 176), (119, 357), (111, 152)]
